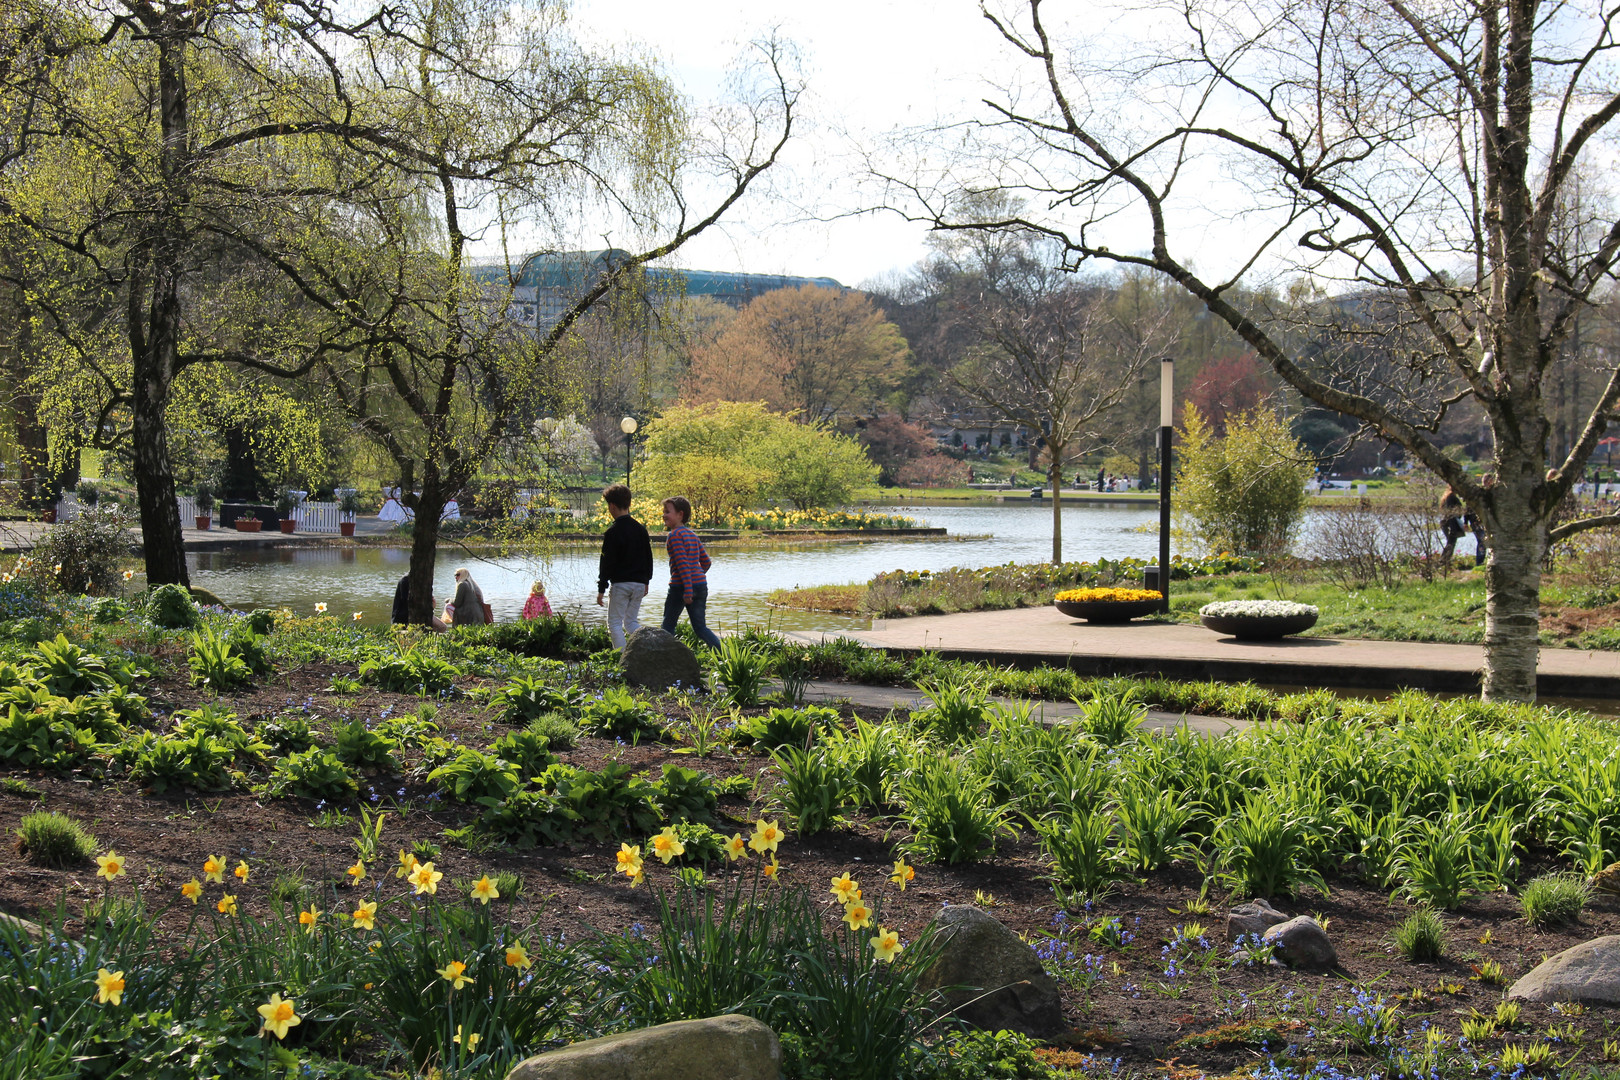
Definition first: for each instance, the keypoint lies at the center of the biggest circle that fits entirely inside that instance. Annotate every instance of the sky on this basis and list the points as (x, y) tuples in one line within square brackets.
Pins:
[(870, 67)]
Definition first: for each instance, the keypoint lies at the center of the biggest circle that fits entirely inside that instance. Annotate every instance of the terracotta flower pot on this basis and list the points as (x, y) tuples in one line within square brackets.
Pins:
[(248, 524), (346, 528), (288, 525), (204, 522)]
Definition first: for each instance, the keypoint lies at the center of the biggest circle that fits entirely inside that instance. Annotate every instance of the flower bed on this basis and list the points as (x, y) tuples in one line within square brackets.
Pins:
[(1258, 620)]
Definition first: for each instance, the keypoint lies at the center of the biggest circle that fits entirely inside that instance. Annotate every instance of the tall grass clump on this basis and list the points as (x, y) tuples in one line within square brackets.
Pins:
[(1554, 899), (949, 811), (54, 840), (1421, 937)]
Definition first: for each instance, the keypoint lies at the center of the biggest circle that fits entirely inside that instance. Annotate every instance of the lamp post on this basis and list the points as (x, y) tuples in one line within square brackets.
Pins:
[(628, 425), (1167, 420)]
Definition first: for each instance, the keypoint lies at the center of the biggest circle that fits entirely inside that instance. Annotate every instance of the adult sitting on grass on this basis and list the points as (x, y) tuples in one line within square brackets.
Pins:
[(626, 567), (688, 566), (467, 607)]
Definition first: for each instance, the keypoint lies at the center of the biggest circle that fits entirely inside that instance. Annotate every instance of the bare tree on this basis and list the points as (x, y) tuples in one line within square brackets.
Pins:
[(1055, 358), (1414, 157)]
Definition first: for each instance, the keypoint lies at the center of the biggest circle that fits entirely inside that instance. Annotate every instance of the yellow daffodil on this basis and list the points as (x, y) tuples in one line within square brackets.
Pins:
[(357, 616), (517, 956), (766, 837), (241, 871), (426, 879), (308, 918), (629, 858), (484, 890), (109, 987), (638, 878), (736, 847), (191, 890), (357, 872), (770, 868), (214, 869), (666, 845), (365, 915), (112, 865), (226, 905), (278, 1016), (320, 609), (455, 973), (128, 574), (858, 915), (903, 874), (472, 1040), (886, 945), (57, 569), (407, 864), (847, 890)]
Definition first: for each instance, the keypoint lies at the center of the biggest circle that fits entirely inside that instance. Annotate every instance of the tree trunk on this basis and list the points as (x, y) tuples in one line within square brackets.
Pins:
[(154, 359), (1057, 510), (1516, 543), (429, 509)]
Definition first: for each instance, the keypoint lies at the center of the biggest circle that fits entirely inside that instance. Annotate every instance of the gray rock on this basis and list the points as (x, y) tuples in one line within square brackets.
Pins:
[(1589, 972), (1255, 917), (718, 1048), (1301, 943), (655, 659), (978, 954)]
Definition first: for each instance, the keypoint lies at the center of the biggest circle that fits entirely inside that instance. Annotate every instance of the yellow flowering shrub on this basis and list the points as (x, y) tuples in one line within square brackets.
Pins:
[(1116, 596)]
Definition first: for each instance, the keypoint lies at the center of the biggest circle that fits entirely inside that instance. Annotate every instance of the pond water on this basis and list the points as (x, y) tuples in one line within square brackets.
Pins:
[(363, 579)]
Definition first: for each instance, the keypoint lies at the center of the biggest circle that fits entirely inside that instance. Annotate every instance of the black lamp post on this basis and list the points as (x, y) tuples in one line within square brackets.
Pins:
[(1167, 419), (628, 425)]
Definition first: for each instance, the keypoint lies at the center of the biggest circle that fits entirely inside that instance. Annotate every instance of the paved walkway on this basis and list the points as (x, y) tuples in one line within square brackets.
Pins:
[(1028, 637), (907, 699)]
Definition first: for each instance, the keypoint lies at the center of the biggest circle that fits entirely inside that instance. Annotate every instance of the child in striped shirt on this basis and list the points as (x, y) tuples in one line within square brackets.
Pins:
[(688, 585)]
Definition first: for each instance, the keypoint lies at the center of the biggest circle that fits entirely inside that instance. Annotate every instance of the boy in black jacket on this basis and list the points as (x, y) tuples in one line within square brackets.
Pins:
[(626, 566)]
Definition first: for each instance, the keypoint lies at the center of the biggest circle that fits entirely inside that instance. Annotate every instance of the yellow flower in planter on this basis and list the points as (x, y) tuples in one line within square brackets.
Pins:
[(214, 869), (109, 987), (484, 891), (1116, 596), (365, 915), (111, 864), (191, 890), (666, 845), (886, 945), (455, 973), (278, 1016)]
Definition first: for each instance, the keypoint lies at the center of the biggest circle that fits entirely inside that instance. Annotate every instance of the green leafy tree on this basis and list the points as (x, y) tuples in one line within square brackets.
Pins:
[(1244, 492)]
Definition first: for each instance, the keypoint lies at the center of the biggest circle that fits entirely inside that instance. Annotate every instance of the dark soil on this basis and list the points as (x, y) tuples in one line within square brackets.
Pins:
[(1135, 1013)]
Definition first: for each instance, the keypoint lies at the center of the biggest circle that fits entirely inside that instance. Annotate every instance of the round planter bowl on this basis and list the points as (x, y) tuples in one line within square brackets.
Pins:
[(1107, 611), (1258, 627)]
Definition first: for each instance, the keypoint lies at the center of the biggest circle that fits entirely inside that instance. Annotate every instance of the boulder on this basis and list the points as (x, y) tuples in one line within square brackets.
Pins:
[(1301, 943), (717, 1048), (658, 660), (1607, 880), (1255, 917), (1588, 973), (978, 954)]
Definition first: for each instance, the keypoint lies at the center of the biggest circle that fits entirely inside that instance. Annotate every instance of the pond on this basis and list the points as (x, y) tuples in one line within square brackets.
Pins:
[(363, 579)]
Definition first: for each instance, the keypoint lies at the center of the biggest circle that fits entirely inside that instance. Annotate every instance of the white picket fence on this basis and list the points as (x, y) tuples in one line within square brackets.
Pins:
[(314, 517)]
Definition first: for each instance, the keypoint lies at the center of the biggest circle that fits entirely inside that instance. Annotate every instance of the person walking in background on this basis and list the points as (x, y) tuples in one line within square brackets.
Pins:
[(688, 564), (468, 603), (536, 606), (626, 567), (1451, 526)]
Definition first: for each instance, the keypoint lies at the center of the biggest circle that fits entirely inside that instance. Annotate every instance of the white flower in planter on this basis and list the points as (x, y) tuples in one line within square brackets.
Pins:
[(1262, 609)]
